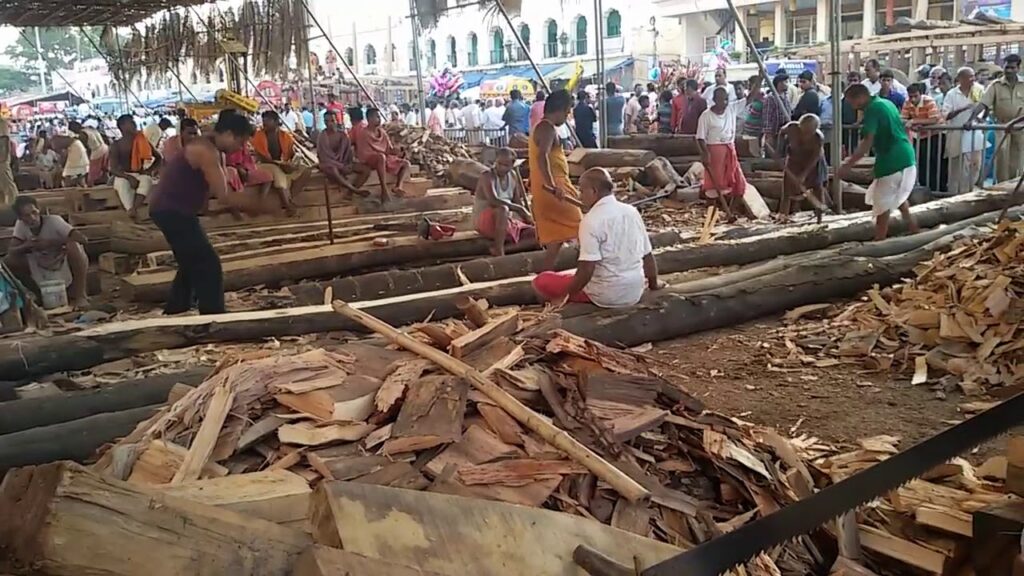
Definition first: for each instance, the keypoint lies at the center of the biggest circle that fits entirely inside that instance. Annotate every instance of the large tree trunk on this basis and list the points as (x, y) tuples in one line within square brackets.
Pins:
[(323, 261), (748, 245), (661, 144), (464, 172), (607, 158), (19, 415), (394, 283), (807, 279)]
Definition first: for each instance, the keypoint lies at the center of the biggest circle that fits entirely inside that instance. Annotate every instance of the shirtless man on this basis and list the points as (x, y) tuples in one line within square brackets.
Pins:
[(374, 148), (337, 156), (806, 170), (133, 161), (499, 205)]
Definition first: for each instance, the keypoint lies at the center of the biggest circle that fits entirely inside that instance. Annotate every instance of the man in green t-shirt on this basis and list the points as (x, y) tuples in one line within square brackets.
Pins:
[(895, 162)]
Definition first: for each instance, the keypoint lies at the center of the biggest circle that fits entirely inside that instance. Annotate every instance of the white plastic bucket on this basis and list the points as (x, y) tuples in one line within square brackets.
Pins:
[(54, 293)]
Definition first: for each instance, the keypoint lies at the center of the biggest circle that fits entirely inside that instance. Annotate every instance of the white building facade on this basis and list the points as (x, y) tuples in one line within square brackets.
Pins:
[(377, 38)]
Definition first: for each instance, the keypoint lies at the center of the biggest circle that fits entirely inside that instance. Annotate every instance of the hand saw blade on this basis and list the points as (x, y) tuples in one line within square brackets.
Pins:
[(720, 554)]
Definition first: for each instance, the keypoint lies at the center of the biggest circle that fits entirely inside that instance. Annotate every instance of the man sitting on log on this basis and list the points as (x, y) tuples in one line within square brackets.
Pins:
[(615, 260), (337, 156), (499, 204), (47, 248), (374, 148), (133, 161), (275, 152), (895, 161)]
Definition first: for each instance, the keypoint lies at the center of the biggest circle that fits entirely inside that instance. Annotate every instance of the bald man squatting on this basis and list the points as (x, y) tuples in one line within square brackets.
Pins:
[(615, 262)]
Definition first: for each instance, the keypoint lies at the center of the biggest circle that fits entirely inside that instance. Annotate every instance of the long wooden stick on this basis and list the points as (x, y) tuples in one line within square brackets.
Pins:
[(558, 438)]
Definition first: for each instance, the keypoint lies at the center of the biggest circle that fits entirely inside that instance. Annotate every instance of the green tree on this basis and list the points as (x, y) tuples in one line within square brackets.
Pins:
[(60, 46), (13, 80)]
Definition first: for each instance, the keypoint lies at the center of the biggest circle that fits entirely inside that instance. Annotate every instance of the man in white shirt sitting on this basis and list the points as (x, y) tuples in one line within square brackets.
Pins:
[(615, 262)]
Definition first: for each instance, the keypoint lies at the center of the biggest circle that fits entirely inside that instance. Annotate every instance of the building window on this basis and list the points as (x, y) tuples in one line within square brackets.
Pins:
[(581, 35), (524, 35), (350, 56), (801, 30), (393, 52), (370, 55), (497, 46), (471, 54), (551, 40), (613, 24), (453, 55), (711, 43), (431, 54)]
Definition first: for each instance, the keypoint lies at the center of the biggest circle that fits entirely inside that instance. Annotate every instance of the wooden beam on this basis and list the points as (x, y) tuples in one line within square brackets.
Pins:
[(273, 495), (70, 518), (324, 561), (455, 535)]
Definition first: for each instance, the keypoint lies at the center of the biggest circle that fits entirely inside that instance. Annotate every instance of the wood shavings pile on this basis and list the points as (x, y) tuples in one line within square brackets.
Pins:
[(954, 325), (366, 413)]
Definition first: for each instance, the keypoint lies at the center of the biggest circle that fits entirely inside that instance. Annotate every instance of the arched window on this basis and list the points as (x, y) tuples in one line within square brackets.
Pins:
[(431, 54), (350, 56), (613, 24), (524, 34), (453, 55), (581, 35), (370, 55), (497, 46), (551, 40), (471, 53)]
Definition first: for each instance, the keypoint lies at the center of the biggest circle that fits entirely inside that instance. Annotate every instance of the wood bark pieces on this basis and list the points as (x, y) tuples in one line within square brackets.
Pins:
[(454, 535), (72, 522), (611, 359), (503, 425), (306, 434), (495, 328), (517, 472), (430, 416), (325, 561), (404, 374), (501, 354), (956, 314), (473, 311), (206, 439), (477, 446), (275, 495), (632, 517), (905, 551), (627, 427), (352, 400), (549, 432)]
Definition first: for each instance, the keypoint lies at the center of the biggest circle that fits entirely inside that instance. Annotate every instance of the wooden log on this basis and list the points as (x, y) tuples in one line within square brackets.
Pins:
[(761, 243), (401, 282), (326, 561), (143, 238), (996, 540), (634, 157), (464, 172), (72, 521), (74, 440), (618, 480), (820, 277), (465, 535), (660, 144), (33, 412), (322, 261), (273, 495)]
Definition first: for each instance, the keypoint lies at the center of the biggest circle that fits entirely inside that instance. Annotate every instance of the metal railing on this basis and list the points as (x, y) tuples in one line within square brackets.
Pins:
[(954, 159), (497, 137)]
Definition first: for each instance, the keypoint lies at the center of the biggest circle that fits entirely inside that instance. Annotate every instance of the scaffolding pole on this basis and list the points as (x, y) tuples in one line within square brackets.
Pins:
[(602, 102), (330, 41), (124, 77), (835, 24), (414, 21)]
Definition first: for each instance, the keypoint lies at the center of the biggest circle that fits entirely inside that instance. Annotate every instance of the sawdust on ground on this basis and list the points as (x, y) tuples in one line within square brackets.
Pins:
[(728, 369)]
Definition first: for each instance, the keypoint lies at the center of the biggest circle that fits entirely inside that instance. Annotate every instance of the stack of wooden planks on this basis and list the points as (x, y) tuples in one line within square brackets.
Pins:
[(924, 526), (953, 325)]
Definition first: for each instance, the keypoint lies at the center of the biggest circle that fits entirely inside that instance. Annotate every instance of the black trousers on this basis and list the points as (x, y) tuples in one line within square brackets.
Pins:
[(199, 272)]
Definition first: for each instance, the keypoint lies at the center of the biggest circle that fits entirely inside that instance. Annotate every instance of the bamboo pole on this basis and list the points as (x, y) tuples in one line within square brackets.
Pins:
[(558, 438)]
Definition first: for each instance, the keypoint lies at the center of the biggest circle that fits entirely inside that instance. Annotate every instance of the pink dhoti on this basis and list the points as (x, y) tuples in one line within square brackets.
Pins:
[(97, 170), (723, 174)]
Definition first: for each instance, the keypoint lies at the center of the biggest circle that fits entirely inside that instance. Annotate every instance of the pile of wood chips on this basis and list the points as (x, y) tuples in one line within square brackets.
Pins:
[(925, 524), (954, 325), (432, 152), (367, 413)]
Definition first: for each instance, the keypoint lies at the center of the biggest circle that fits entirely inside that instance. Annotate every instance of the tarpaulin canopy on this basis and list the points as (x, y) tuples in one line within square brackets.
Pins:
[(473, 78), (84, 12)]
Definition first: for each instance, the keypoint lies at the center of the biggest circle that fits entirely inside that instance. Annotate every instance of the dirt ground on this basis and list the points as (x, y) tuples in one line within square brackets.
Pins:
[(729, 370)]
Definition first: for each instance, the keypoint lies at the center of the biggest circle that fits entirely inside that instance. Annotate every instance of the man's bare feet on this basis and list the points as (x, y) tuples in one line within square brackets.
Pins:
[(400, 192), (80, 303)]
